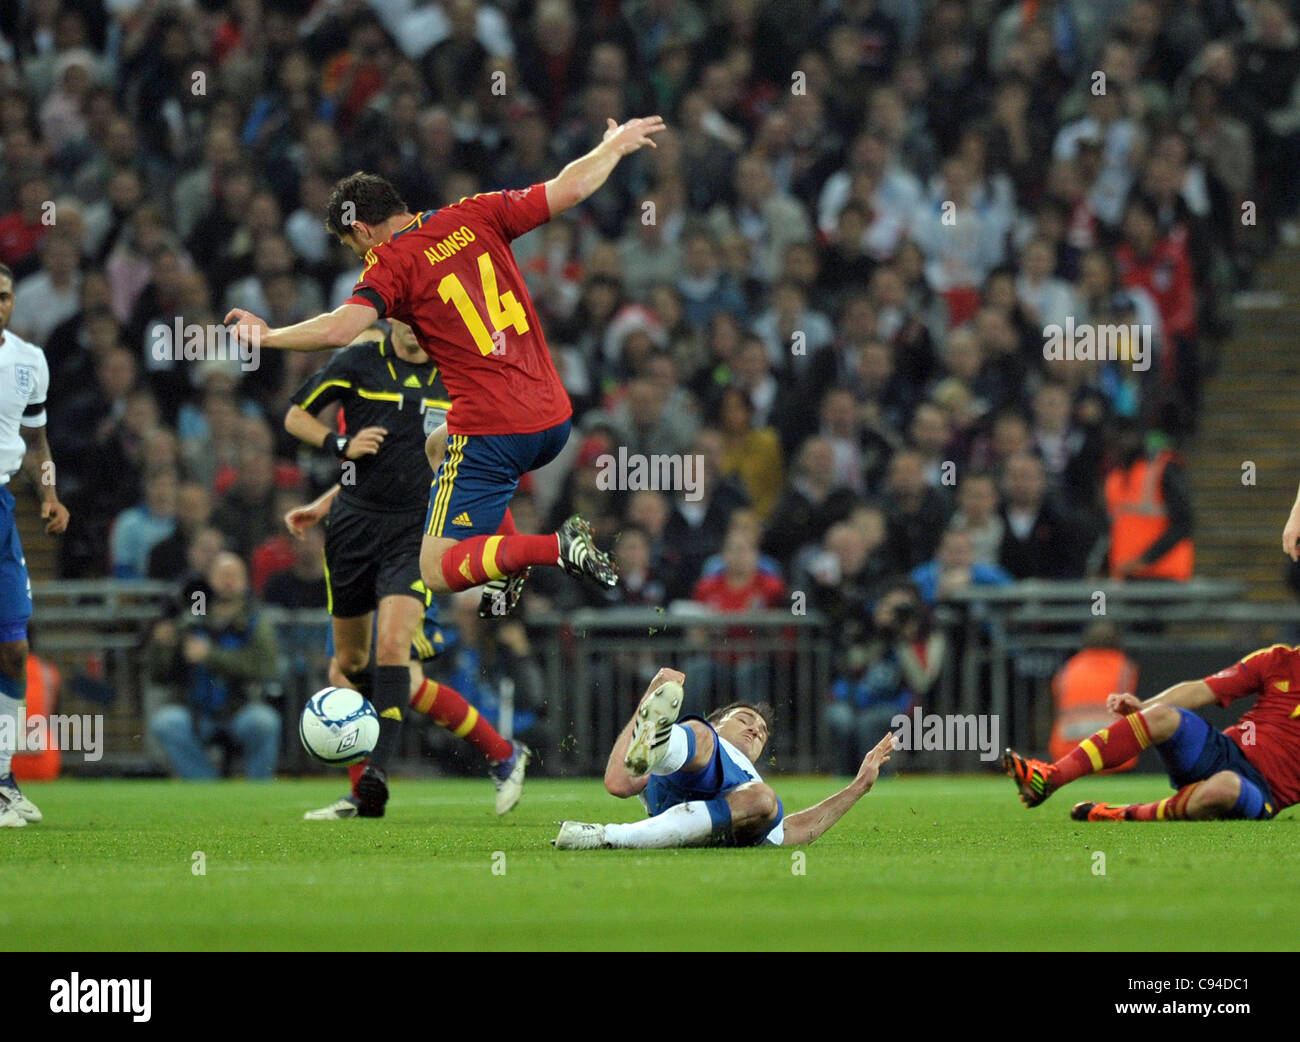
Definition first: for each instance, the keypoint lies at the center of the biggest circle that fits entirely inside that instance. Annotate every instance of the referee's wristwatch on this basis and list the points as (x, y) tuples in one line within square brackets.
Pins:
[(337, 444)]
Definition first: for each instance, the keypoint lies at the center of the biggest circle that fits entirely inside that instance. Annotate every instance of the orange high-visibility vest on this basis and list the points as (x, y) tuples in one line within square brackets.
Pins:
[(1081, 688), (42, 696), (1138, 518)]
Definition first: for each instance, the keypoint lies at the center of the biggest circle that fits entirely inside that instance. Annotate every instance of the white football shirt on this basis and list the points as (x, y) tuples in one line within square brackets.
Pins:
[(24, 382)]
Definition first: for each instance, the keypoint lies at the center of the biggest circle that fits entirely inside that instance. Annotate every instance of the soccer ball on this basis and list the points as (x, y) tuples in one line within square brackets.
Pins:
[(339, 726)]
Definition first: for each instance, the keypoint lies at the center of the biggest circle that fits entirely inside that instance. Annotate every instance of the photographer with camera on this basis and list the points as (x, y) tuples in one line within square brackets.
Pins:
[(897, 662)]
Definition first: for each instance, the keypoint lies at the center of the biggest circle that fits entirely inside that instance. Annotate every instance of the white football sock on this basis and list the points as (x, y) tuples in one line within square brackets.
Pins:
[(684, 825), (680, 747), (13, 718)]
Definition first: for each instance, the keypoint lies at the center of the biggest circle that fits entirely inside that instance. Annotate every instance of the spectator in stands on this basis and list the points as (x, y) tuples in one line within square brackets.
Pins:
[(49, 296), (1150, 509), (695, 527), (303, 584), (977, 515), (842, 573), (741, 586), (883, 672), (1071, 453), (915, 513), (930, 434), (247, 511), (213, 661), (751, 456), (167, 559), (649, 511), (23, 228), (706, 289), (1041, 541), (277, 552), (792, 330), (638, 585), (768, 218), (138, 529), (954, 569), (812, 501)]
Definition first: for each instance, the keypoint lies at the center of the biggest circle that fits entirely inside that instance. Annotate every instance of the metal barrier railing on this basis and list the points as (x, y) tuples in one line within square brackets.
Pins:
[(1004, 645), (598, 663)]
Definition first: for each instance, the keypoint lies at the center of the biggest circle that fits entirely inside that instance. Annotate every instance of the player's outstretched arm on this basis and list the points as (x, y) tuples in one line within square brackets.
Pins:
[(336, 328), (618, 782), (1190, 694), (807, 825), (587, 173)]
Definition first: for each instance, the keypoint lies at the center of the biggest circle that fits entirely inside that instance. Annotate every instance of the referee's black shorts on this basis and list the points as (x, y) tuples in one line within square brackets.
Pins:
[(370, 555)]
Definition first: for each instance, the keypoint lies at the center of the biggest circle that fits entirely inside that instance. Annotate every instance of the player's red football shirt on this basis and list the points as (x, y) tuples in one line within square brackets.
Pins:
[(450, 274), (1269, 734)]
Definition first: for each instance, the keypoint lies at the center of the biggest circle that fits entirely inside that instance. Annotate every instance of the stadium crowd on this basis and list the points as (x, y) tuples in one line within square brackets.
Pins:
[(831, 281)]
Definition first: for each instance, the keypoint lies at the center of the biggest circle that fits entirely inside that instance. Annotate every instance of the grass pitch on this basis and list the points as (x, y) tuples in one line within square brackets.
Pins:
[(920, 863)]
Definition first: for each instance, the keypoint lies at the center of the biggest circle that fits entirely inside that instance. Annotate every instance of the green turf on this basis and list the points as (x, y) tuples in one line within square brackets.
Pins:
[(921, 863)]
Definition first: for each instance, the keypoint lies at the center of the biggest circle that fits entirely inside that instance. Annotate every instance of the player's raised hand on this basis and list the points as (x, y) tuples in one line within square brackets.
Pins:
[(1124, 703), (249, 329), (55, 514), (366, 442), (627, 137), (874, 760)]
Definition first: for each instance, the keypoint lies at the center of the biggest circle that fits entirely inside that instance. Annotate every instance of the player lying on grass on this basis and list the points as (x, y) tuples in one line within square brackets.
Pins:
[(1250, 770), (697, 779)]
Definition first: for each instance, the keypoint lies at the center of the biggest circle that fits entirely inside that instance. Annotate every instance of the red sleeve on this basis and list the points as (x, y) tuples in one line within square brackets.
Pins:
[(1244, 678), (382, 285), (514, 212)]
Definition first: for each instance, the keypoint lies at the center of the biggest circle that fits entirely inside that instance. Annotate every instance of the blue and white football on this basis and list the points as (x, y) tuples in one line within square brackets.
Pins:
[(339, 726)]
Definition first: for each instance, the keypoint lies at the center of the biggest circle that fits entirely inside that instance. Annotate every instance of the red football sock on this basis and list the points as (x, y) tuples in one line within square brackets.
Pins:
[(1171, 808), (1109, 747), (476, 560), (354, 772), (447, 708), (507, 526)]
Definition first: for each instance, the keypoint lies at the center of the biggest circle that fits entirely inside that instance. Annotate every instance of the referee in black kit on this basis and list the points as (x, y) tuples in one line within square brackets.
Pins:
[(392, 397)]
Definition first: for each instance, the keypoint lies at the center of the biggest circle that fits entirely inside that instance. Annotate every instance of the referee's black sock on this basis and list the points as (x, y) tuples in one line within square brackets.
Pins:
[(364, 680), (392, 693)]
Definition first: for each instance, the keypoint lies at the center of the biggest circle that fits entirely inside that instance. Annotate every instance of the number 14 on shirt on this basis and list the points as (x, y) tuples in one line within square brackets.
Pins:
[(504, 310)]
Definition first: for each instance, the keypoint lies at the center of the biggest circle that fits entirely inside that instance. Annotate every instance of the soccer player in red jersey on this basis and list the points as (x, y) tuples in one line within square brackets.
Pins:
[(1250, 770), (451, 276)]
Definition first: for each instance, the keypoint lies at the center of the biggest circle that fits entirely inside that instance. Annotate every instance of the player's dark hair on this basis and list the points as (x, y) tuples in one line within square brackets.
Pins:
[(6, 273), (761, 708), (367, 198)]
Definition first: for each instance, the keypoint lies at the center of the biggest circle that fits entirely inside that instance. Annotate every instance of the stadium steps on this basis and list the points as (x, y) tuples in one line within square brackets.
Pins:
[(1250, 416)]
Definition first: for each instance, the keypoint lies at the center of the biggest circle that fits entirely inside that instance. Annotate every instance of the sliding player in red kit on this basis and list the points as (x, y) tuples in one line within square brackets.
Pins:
[(1250, 770), (451, 276)]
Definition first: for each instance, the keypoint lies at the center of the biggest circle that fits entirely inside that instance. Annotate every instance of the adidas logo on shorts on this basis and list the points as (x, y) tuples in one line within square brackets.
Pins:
[(462, 519)]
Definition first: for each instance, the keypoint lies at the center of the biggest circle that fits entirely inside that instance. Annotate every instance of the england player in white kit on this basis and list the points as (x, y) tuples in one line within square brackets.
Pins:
[(24, 382), (698, 781)]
